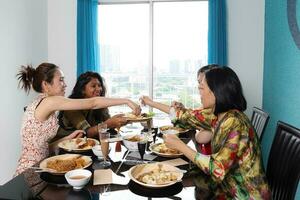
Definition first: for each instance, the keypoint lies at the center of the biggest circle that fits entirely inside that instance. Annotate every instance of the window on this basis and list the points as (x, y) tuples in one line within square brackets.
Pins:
[(153, 49)]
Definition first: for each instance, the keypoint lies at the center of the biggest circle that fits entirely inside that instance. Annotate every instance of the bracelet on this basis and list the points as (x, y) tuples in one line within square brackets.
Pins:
[(197, 156)]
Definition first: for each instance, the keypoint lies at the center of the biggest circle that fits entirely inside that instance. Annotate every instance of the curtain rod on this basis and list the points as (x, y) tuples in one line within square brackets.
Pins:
[(139, 1)]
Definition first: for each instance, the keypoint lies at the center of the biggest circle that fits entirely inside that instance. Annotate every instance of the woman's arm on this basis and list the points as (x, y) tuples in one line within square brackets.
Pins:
[(55, 103), (162, 107)]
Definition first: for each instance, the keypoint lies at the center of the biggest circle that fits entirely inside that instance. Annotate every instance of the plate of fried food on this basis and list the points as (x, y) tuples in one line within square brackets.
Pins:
[(78, 144), (162, 150), (138, 118), (155, 175), (172, 130), (61, 164)]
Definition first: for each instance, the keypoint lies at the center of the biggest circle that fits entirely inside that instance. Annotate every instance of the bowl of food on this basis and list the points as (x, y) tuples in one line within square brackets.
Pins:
[(155, 175), (131, 141), (78, 178)]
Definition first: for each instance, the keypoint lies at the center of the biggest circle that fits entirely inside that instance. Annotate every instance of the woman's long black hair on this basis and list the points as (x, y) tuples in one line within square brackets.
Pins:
[(227, 88), (81, 82)]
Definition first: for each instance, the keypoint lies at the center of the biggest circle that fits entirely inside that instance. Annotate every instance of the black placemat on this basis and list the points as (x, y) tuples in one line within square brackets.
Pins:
[(155, 192), (53, 179)]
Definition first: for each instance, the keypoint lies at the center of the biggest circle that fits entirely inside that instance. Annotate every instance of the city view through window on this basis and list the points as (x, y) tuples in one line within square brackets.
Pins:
[(179, 50)]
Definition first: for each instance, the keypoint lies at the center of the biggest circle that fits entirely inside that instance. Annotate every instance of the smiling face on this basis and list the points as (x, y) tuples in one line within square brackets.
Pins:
[(207, 96), (57, 86), (92, 88)]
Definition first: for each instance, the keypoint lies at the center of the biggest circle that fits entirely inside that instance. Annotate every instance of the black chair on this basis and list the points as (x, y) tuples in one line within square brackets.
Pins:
[(259, 120), (283, 170)]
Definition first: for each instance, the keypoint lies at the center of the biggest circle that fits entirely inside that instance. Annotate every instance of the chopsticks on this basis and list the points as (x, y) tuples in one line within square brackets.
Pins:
[(39, 170)]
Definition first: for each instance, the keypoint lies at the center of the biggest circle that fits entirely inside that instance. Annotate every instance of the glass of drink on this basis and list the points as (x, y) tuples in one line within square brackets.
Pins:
[(142, 148), (104, 137)]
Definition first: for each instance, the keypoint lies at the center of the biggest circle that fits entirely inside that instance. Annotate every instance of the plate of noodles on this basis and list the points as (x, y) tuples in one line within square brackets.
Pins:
[(155, 175), (63, 163), (78, 144), (162, 150)]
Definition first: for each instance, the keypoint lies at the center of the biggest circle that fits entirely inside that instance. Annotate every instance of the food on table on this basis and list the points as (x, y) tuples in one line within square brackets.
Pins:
[(165, 128), (135, 138), (63, 165), (78, 144), (139, 117), (162, 148), (159, 176)]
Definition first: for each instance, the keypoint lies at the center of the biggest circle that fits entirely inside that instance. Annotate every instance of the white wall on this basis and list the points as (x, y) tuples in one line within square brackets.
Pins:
[(246, 46), (62, 38), (23, 39)]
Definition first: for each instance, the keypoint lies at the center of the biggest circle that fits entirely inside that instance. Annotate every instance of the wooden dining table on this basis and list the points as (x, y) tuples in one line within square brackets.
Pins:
[(32, 185)]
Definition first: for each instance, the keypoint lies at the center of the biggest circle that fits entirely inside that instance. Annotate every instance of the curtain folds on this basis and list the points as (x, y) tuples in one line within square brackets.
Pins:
[(87, 36), (217, 32)]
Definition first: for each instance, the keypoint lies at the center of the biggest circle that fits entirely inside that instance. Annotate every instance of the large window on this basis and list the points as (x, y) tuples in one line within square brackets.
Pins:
[(153, 49)]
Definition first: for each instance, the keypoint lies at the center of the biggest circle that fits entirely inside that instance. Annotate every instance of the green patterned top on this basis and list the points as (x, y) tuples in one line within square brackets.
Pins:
[(235, 165)]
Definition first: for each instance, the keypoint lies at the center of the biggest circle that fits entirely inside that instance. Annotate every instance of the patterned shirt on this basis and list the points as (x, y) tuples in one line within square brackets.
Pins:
[(35, 136), (235, 165)]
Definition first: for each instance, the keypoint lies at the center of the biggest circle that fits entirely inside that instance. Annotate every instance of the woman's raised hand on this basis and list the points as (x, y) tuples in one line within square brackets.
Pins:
[(136, 109), (145, 100), (177, 105)]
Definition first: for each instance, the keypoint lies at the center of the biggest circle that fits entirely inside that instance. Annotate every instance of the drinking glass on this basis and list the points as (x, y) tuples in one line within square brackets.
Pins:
[(104, 137), (142, 148)]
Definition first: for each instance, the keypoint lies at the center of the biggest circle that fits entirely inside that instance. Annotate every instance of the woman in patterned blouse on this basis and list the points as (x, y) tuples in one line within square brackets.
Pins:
[(235, 165)]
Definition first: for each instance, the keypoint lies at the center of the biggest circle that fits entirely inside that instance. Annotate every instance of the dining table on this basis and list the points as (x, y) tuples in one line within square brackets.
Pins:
[(33, 185)]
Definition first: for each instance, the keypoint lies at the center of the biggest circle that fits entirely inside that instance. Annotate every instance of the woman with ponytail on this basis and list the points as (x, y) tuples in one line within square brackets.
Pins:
[(40, 122)]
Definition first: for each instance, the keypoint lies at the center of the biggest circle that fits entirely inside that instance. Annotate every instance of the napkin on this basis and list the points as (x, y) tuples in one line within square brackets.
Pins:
[(175, 162), (107, 176)]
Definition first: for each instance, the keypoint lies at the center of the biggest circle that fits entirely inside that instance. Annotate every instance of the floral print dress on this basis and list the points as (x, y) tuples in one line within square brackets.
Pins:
[(35, 136), (235, 165)]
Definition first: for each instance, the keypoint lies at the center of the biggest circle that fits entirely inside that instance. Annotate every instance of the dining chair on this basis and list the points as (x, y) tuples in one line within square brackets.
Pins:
[(259, 120), (283, 169)]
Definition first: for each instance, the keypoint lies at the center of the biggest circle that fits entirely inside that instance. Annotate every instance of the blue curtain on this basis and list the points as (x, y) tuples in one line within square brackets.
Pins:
[(217, 37), (87, 36)]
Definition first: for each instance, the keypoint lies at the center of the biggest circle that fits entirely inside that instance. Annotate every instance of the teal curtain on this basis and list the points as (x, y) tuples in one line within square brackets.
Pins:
[(217, 36), (87, 36)]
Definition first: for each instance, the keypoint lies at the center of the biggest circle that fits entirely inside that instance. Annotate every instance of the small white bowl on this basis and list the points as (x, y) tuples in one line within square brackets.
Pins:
[(131, 145), (78, 178), (97, 151)]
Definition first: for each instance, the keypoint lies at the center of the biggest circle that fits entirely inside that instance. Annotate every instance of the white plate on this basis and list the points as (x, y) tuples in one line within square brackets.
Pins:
[(167, 155), (135, 171), (72, 144), (172, 130), (87, 161)]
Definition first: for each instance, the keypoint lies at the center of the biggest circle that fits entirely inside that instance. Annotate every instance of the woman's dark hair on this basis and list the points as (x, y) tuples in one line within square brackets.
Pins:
[(206, 68), (227, 88), (81, 82), (28, 76)]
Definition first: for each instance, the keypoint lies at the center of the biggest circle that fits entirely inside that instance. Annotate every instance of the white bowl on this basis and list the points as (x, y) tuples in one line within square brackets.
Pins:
[(97, 151), (78, 178), (131, 145)]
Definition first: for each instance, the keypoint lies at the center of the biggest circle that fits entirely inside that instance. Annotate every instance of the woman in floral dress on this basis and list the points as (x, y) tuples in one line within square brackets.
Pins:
[(235, 165), (40, 121)]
